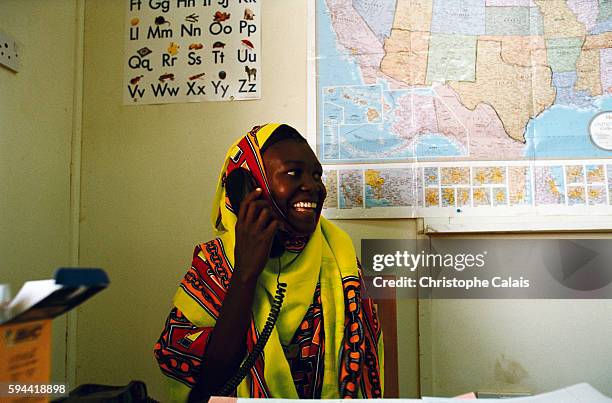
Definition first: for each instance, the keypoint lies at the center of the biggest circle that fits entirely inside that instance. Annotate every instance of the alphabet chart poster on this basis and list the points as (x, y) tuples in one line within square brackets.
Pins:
[(191, 51)]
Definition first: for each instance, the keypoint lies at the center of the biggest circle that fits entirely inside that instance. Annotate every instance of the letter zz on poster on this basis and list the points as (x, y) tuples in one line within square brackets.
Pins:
[(191, 51)]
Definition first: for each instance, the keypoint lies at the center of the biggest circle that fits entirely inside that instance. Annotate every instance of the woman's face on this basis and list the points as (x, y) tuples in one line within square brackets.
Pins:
[(294, 176)]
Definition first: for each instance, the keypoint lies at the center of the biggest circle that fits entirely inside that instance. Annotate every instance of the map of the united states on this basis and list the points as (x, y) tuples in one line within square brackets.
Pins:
[(462, 79)]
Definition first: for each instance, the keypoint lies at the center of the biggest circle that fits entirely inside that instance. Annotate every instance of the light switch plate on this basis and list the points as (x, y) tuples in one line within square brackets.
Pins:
[(9, 52)]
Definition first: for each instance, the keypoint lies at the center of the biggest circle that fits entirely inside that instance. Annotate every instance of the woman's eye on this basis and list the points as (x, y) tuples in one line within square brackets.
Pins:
[(317, 176), (292, 172)]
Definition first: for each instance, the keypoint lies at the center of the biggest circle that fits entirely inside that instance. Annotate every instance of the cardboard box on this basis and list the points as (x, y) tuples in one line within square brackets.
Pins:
[(25, 334), (25, 349)]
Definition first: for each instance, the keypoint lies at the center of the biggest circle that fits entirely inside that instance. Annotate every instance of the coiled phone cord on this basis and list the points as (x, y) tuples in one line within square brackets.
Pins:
[(248, 363)]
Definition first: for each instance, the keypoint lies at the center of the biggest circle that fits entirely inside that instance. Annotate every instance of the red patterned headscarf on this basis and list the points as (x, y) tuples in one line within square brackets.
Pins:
[(246, 154)]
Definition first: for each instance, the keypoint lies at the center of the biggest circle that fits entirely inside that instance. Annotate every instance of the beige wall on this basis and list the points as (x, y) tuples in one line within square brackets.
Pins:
[(515, 345), (520, 345), (146, 189), (36, 128)]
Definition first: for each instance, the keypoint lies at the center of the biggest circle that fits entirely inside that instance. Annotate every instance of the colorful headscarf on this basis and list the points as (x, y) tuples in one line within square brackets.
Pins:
[(327, 263), (246, 154)]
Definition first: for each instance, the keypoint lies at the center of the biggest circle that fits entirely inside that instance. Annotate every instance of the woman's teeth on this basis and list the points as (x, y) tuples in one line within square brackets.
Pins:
[(301, 206)]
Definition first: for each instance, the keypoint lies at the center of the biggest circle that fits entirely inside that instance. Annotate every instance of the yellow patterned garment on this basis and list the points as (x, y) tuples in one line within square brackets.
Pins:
[(327, 342)]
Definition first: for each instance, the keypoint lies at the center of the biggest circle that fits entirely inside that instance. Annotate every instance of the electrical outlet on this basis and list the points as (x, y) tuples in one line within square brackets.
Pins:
[(9, 52)]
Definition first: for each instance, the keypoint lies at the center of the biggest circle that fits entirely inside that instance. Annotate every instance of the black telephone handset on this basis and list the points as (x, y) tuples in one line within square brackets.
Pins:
[(238, 184)]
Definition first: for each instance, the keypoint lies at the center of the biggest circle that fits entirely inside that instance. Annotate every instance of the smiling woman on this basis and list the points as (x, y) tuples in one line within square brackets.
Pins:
[(294, 175), (324, 341)]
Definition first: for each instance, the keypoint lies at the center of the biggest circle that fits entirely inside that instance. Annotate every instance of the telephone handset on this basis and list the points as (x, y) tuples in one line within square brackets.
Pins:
[(238, 184)]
